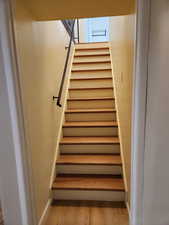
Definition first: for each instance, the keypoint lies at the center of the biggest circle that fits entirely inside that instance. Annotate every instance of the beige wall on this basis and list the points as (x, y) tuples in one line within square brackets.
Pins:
[(41, 56), (82, 30), (63, 9), (122, 42)]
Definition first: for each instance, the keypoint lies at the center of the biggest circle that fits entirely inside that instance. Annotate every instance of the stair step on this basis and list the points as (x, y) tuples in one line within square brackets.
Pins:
[(90, 203), (91, 78), (90, 66), (90, 81), (90, 88), (90, 110), (89, 164), (91, 62), (91, 43), (91, 124), (107, 183), (91, 103), (91, 70), (89, 140), (90, 99), (80, 115), (92, 74), (91, 48), (90, 92), (92, 54), (89, 159), (79, 148)]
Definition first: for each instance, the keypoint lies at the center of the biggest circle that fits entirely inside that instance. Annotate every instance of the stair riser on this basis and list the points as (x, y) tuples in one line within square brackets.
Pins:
[(90, 131), (90, 116), (91, 74), (91, 59), (92, 45), (91, 83), (89, 169), (89, 66), (91, 93), (89, 195), (90, 52), (92, 149), (92, 104)]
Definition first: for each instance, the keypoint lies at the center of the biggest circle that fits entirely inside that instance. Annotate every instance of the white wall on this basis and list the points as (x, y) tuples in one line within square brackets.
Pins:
[(13, 184), (156, 167)]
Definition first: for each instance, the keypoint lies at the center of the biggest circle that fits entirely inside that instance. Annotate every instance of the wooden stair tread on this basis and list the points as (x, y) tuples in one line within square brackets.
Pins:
[(88, 43), (90, 88), (88, 183), (91, 62), (92, 54), (92, 48), (104, 110), (89, 140), (89, 159), (90, 99), (91, 124), (88, 70), (91, 78)]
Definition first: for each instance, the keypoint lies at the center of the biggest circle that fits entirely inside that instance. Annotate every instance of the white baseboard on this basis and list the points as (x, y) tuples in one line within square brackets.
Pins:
[(45, 213), (128, 210)]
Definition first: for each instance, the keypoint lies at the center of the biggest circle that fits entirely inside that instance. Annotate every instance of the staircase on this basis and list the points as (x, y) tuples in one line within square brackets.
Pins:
[(89, 166)]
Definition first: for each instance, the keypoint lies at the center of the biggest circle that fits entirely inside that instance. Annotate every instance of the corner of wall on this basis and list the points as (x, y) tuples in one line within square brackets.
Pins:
[(59, 134), (119, 123)]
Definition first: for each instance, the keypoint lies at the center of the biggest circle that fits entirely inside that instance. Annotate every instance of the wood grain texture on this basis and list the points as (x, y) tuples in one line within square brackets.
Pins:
[(90, 99), (91, 78), (90, 110), (90, 88), (108, 216), (87, 215), (90, 140), (92, 62), (94, 48), (89, 203), (89, 159), (91, 182), (92, 55), (88, 70), (91, 124)]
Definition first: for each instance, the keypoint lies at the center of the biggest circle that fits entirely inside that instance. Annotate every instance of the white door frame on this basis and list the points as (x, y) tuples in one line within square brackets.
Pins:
[(139, 109), (16, 191)]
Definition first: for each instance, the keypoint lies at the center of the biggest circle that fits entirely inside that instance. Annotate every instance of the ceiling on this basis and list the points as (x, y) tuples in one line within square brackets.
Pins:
[(67, 9)]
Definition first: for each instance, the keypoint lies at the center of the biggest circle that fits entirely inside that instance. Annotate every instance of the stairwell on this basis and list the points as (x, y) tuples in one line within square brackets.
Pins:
[(89, 166)]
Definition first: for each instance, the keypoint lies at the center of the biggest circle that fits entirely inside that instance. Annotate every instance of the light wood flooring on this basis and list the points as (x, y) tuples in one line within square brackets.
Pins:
[(87, 215)]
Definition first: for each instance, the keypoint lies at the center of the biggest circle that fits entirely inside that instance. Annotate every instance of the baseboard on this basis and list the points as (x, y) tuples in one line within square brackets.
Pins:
[(128, 210), (45, 213), (119, 124)]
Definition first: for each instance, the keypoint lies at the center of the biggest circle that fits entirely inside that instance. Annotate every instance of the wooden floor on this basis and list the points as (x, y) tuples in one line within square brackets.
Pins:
[(87, 215)]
